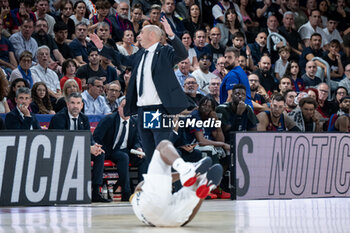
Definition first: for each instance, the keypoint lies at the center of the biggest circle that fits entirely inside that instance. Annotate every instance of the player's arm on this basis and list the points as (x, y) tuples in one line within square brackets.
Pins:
[(263, 121), (342, 123)]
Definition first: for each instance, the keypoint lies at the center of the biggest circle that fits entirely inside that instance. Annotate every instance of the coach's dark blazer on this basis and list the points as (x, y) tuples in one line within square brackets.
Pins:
[(14, 120), (107, 130), (168, 88), (61, 121)]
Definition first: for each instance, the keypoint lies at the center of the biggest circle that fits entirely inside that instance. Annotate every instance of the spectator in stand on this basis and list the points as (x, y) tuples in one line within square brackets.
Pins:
[(41, 103), (191, 90), (314, 50), (248, 15), (230, 27), (66, 8), (282, 63), (184, 71), (238, 42), (258, 100), (289, 97), (266, 8), (4, 107), (106, 56), (23, 71), (79, 13), (93, 68), (275, 120), (345, 82), (154, 17), (236, 75), (324, 105), (203, 75), (23, 12), (311, 5), (146, 5), (11, 97), (120, 21), (287, 30), (236, 115), (103, 38), (69, 68), (79, 45), (220, 9), (41, 13), (113, 92), (313, 93), (285, 85), (128, 48), (220, 68), (41, 72), (307, 30), (258, 48), (200, 43), (61, 31), (7, 53), (192, 55), (69, 87), (243, 62), (293, 72), (304, 116), (341, 12), (102, 7), (20, 117), (214, 90), (265, 74), (9, 23), (22, 40), (342, 124), (333, 58), (340, 92), (331, 32), (136, 18), (310, 79), (217, 50), (94, 102), (323, 7), (275, 42), (194, 22), (168, 8), (43, 38), (300, 17)]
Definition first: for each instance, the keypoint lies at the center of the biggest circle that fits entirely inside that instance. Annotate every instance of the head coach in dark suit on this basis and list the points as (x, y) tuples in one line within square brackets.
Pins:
[(20, 117), (117, 134), (71, 118), (153, 85)]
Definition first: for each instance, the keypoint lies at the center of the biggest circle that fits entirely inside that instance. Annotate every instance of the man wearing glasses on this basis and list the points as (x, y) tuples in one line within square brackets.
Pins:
[(346, 81), (113, 92), (94, 103)]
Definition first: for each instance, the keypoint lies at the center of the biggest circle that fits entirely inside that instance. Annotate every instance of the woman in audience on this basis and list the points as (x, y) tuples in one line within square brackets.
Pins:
[(79, 13), (313, 93), (340, 92), (69, 87), (128, 48), (136, 18), (252, 26), (23, 71), (4, 108), (41, 103), (193, 23), (69, 68), (293, 72), (154, 17), (15, 84), (323, 7), (231, 26), (187, 42), (102, 7)]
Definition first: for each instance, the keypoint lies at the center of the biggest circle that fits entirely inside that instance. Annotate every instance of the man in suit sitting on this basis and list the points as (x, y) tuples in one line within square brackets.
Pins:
[(118, 135), (20, 117), (71, 118)]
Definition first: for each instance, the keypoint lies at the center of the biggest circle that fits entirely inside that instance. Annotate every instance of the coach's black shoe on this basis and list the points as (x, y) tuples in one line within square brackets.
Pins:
[(212, 180), (125, 196), (196, 169), (96, 197)]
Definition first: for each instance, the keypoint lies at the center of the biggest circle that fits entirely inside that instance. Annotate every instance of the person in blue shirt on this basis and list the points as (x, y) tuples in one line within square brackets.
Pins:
[(235, 76)]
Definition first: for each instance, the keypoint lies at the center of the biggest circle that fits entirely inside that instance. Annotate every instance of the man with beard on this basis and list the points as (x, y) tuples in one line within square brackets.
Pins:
[(191, 88), (265, 74), (314, 50), (168, 9), (275, 120), (258, 100), (236, 75), (42, 38), (258, 48), (342, 124), (199, 43), (203, 75), (285, 85), (238, 42), (66, 8), (236, 115), (120, 21), (289, 97), (304, 116)]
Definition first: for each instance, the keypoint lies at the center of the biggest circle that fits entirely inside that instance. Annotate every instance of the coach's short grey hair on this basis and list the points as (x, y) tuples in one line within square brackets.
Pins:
[(155, 29), (23, 90), (91, 80), (75, 95)]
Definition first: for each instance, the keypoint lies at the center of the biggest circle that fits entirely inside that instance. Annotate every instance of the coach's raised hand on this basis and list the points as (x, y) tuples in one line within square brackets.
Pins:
[(167, 27)]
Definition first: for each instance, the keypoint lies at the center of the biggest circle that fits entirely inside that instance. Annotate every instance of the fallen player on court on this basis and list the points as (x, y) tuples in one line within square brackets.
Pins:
[(153, 201)]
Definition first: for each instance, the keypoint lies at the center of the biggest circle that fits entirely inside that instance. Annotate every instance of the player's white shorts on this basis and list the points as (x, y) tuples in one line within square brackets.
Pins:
[(155, 204)]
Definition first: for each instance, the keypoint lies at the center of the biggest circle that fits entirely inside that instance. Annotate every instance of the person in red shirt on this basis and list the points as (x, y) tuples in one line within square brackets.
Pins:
[(69, 68)]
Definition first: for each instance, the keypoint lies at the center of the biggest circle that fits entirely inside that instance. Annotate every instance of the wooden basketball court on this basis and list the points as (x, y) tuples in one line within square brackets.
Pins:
[(297, 215)]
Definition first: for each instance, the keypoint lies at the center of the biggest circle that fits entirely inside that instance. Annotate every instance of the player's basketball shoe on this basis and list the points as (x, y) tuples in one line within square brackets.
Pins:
[(189, 177), (212, 180)]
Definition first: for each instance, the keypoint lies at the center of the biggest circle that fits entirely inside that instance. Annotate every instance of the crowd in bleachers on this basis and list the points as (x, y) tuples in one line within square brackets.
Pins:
[(265, 65)]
